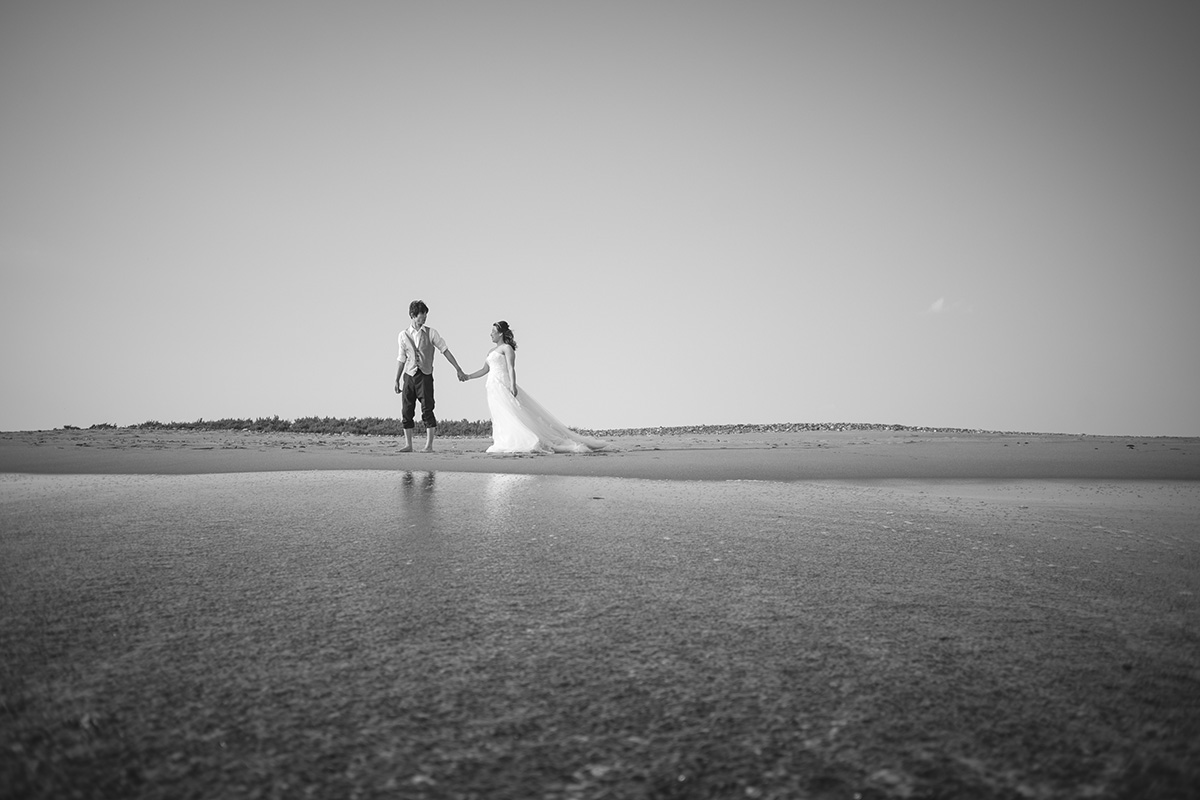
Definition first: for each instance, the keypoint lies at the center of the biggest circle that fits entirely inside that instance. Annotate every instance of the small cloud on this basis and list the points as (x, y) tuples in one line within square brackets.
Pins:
[(952, 307)]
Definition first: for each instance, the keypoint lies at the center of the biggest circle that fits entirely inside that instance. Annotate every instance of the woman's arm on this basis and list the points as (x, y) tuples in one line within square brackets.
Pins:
[(479, 373), (511, 356)]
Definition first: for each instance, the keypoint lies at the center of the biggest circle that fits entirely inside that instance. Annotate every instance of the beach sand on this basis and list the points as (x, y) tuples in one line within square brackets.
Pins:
[(864, 614), (851, 455)]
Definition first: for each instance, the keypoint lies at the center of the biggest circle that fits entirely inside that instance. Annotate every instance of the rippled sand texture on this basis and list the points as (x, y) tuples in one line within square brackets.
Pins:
[(439, 634)]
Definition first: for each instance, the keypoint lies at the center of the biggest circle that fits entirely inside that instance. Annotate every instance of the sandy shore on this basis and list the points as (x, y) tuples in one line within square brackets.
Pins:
[(880, 614), (428, 635), (850, 455)]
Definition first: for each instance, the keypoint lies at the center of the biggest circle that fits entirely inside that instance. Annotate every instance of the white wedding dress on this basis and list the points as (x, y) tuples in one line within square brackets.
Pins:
[(520, 424)]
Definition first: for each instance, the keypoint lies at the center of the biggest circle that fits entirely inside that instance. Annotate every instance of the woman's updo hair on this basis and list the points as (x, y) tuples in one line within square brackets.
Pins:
[(506, 334)]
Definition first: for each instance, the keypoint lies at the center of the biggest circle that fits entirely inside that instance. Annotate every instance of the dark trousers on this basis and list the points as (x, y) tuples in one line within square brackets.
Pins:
[(417, 387)]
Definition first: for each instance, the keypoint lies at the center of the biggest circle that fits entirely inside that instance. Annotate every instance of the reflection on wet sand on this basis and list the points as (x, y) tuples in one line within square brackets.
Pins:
[(418, 498), (413, 481), (504, 497)]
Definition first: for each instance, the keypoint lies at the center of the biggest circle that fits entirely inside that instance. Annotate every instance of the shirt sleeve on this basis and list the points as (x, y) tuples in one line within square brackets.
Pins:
[(437, 340), (403, 356)]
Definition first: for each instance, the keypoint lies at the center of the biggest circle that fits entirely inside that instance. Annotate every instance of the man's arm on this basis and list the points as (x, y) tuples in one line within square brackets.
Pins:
[(440, 344), (401, 363), (450, 357)]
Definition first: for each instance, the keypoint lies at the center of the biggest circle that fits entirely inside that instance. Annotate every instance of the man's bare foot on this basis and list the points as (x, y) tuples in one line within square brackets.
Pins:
[(406, 449), (427, 449)]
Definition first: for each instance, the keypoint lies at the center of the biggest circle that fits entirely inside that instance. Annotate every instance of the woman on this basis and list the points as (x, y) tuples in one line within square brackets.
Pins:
[(519, 423)]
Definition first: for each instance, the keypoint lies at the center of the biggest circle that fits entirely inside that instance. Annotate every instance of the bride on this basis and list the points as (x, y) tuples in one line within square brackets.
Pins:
[(519, 423)]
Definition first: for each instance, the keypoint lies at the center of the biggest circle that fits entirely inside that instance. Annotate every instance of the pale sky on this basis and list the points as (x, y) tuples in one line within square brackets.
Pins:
[(959, 214)]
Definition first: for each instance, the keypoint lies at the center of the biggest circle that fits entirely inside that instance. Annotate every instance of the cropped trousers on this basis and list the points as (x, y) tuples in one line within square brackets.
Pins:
[(417, 387)]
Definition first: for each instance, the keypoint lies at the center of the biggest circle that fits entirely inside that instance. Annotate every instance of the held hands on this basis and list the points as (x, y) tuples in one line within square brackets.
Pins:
[(462, 376)]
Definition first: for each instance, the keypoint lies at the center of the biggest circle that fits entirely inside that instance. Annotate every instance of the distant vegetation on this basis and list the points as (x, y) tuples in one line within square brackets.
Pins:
[(363, 426), (482, 429)]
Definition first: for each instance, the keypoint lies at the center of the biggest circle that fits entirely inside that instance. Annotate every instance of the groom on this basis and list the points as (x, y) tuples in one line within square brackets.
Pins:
[(414, 376)]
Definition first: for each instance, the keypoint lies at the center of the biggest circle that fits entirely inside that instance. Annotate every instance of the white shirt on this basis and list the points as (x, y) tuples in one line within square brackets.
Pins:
[(407, 351)]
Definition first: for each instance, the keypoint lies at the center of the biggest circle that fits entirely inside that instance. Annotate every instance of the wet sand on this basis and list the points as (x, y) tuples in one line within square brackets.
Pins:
[(878, 614)]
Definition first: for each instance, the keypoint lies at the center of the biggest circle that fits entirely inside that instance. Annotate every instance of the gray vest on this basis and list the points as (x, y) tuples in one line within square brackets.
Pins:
[(423, 347)]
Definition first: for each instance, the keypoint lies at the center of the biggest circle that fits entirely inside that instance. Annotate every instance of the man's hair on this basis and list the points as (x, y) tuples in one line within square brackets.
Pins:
[(417, 307)]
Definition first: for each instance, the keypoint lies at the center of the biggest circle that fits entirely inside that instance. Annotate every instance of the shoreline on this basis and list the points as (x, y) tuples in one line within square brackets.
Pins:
[(777, 455)]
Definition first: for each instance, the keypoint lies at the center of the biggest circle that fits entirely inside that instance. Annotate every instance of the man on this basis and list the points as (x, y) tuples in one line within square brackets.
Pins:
[(414, 375)]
